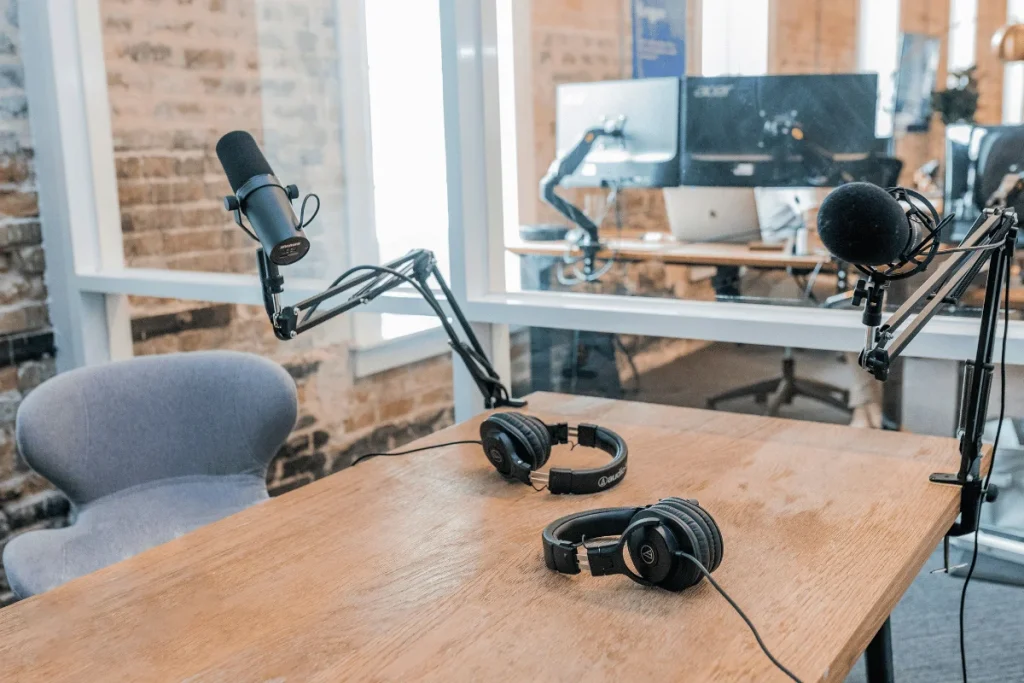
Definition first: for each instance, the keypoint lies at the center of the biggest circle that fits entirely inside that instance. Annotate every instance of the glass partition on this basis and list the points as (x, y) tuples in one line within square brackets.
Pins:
[(696, 165)]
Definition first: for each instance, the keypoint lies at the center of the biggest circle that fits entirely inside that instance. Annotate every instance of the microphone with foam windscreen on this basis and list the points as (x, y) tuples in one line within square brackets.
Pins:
[(865, 225), (261, 197)]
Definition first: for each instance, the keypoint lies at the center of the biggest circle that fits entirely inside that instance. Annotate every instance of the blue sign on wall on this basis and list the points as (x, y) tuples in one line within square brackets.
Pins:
[(659, 38)]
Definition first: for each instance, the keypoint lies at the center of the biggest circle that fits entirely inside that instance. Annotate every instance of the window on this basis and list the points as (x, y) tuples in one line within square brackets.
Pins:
[(1013, 78), (963, 30), (734, 38), (393, 125), (407, 138), (878, 43)]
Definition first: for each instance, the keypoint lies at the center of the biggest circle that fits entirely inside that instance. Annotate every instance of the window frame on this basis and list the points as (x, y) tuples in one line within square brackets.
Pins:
[(69, 108)]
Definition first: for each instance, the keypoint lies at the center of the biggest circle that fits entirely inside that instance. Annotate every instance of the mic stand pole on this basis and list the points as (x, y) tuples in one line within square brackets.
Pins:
[(415, 268), (994, 238)]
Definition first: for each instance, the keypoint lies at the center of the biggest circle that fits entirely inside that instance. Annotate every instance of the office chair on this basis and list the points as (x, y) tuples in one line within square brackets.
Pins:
[(146, 450), (781, 390)]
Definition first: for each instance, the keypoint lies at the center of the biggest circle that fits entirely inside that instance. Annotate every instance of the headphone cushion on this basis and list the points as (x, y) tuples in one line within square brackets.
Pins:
[(529, 433), (703, 550), (686, 574), (716, 543)]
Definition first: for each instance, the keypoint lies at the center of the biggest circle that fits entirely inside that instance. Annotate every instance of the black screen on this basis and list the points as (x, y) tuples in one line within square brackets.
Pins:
[(726, 115)]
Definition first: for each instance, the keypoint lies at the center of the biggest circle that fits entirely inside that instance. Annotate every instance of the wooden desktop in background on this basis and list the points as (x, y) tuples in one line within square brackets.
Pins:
[(682, 253), (429, 567)]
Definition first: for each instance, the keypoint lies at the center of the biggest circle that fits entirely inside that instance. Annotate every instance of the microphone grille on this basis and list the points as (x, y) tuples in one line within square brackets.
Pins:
[(241, 158), (863, 224)]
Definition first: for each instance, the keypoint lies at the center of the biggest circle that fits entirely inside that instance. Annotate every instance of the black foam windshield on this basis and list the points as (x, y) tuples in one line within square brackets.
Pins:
[(861, 223), (241, 158)]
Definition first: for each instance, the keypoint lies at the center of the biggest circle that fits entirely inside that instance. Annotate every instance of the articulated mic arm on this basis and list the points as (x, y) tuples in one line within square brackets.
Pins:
[(992, 239), (365, 283)]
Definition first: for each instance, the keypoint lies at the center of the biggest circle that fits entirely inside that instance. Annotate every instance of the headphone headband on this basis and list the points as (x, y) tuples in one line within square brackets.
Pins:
[(594, 479), (519, 445), (563, 537)]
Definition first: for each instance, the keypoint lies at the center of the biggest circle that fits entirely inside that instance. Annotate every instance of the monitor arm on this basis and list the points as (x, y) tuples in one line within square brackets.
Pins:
[(992, 239), (365, 283), (566, 165)]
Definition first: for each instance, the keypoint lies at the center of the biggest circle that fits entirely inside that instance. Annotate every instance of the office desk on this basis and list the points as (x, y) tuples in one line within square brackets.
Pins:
[(683, 253), (429, 567)]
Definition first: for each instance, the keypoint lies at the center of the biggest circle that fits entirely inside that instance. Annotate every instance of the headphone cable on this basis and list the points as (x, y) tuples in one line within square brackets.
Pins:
[(757, 636), (366, 456)]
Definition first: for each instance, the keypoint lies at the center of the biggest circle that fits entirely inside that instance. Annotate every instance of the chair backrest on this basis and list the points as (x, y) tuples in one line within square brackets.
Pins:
[(98, 430)]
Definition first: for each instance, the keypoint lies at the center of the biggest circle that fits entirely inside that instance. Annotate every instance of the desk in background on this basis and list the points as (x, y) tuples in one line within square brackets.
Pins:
[(718, 254), (429, 567)]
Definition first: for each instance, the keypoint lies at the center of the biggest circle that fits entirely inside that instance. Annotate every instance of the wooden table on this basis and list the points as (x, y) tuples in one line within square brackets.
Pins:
[(429, 567), (682, 253)]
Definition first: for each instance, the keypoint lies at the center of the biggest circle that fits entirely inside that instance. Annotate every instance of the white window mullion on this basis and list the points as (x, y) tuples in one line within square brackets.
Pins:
[(963, 34), (69, 109), (878, 45), (734, 38)]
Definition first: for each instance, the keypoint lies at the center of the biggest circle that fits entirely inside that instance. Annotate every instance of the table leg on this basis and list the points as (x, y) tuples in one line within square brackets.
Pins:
[(878, 656), (726, 281)]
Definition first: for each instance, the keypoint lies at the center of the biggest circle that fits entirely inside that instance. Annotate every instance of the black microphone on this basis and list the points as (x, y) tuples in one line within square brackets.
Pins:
[(261, 197), (864, 225)]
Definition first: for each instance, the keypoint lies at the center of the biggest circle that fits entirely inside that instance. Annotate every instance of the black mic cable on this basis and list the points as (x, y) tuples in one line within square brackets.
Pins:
[(988, 475)]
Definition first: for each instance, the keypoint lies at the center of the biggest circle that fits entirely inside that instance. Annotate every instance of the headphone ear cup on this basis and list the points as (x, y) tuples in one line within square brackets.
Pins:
[(542, 438), (686, 532), (652, 549), (530, 436), (716, 544)]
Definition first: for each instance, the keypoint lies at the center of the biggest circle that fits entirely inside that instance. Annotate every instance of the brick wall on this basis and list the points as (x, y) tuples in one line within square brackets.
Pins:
[(812, 36), (991, 17)]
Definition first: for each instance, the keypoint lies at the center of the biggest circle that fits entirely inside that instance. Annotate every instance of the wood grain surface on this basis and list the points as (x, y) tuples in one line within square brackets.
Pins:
[(429, 567), (682, 253)]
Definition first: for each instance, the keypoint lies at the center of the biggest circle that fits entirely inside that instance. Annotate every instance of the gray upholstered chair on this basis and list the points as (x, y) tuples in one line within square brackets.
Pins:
[(147, 450)]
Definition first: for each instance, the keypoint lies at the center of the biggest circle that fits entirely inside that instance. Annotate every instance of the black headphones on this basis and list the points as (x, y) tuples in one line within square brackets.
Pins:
[(663, 540), (518, 445)]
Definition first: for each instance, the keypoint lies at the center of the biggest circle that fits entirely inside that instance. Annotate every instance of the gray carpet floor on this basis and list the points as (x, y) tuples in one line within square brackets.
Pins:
[(925, 623)]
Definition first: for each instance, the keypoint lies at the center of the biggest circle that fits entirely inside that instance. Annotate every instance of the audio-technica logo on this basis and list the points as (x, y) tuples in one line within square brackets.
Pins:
[(611, 478), (494, 455), (712, 91), (648, 554)]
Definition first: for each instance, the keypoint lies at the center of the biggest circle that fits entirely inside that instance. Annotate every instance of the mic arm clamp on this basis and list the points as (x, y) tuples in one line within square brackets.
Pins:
[(362, 285), (993, 238)]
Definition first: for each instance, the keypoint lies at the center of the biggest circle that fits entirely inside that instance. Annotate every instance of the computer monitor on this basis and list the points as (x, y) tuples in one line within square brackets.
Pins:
[(977, 159), (915, 80), (647, 153), (741, 130)]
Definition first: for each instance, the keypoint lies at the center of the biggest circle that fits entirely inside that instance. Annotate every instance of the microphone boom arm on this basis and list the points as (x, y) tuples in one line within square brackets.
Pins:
[(993, 237), (414, 269)]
